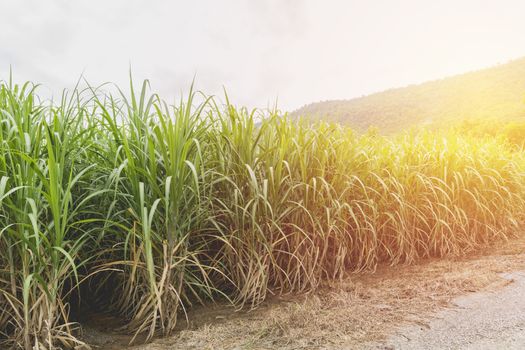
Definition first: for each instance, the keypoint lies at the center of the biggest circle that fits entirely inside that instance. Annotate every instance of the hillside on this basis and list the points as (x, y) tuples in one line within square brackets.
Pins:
[(493, 93)]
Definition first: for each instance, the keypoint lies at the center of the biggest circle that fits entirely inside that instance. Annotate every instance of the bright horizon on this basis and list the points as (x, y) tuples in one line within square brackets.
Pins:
[(298, 52)]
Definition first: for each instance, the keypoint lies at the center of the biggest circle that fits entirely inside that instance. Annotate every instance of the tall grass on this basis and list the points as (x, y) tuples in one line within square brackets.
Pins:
[(160, 206), (155, 167), (46, 213)]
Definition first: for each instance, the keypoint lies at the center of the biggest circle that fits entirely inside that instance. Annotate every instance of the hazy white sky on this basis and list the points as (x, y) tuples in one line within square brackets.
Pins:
[(260, 50)]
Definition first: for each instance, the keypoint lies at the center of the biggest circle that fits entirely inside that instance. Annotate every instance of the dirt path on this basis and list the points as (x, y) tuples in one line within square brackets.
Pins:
[(469, 302), (483, 320)]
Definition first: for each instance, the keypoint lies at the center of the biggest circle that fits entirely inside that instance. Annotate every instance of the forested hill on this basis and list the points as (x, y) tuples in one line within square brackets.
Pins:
[(496, 93)]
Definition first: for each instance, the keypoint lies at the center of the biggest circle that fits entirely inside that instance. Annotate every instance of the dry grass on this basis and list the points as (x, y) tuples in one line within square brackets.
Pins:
[(362, 308)]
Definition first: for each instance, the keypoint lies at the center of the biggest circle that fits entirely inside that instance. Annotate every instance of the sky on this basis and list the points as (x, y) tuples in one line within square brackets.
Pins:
[(263, 52)]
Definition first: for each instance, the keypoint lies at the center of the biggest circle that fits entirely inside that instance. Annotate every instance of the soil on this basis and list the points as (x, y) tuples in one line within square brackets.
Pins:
[(394, 307)]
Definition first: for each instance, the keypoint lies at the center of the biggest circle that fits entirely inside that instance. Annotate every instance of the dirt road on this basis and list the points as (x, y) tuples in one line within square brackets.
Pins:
[(483, 320), (473, 302)]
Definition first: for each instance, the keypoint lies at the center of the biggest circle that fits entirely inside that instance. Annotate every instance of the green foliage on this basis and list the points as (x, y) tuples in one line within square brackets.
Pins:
[(512, 132), (165, 206), (494, 94)]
